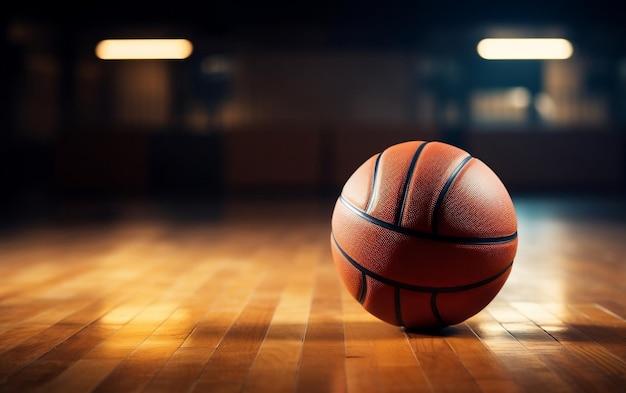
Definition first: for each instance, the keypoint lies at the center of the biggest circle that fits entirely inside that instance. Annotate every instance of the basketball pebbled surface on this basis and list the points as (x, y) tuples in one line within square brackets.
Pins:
[(424, 235)]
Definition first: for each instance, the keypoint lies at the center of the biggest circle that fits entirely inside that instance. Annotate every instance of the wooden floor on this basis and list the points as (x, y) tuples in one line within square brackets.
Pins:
[(245, 297)]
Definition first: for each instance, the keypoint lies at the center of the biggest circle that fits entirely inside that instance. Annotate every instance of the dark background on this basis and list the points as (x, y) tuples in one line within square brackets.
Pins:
[(287, 99)]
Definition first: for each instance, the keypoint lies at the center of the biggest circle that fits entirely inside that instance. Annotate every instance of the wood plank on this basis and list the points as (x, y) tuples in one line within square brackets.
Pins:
[(275, 368), (532, 336), (230, 291), (532, 374), (35, 375), (428, 342), (181, 370), (53, 363), (140, 316), (251, 301), (446, 373), (13, 337), (577, 374), (322, 365), (184, 366), (228, 366), (81, 376), (600, 346), (378, 355), (31, 349), (135, 372), (499, 386), (483, 364), (602, 316), (493, 334)]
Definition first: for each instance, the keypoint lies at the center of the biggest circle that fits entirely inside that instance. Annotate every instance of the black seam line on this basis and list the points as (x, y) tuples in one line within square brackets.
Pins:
[(427, 235), (418, 288), (363, 288), (370, 203), (433, 308), (444, 190), (407, 182), (396, 300)]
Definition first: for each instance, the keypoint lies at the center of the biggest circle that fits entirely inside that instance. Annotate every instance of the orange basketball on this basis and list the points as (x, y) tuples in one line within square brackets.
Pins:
[(424, 235)]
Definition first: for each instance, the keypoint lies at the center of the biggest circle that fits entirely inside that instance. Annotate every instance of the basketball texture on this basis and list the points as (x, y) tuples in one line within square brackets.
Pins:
[(424, 235)]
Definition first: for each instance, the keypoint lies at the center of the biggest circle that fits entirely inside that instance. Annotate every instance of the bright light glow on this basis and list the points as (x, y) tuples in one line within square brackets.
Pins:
[(518, 97), (524, 48), (138, 49), (546, 106)]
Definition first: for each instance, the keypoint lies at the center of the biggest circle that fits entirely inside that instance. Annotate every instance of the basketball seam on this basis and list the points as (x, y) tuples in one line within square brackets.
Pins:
[(398, 306), (363, 287), (444, 191), (428, 235), (418, 288), (370, 203), (435, 310), (407, 182)]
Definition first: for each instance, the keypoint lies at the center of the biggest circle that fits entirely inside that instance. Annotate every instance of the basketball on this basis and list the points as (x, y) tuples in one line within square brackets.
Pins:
[(424, 235)]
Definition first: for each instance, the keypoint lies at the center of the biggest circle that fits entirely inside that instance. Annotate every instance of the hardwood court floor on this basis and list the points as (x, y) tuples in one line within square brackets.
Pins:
[(249, 300)]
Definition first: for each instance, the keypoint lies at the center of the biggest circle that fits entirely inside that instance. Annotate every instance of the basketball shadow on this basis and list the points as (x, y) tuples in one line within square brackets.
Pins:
[(448, 331)]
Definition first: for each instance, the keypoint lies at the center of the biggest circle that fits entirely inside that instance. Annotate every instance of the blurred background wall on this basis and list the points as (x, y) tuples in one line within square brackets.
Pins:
[(288, 99)]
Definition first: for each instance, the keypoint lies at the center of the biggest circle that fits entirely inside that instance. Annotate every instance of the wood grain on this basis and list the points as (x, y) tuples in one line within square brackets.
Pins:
[(248, 300)]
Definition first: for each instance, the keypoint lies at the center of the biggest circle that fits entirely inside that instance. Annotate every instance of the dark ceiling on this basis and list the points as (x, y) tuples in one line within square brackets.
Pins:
[(224, 15), (365, 23)]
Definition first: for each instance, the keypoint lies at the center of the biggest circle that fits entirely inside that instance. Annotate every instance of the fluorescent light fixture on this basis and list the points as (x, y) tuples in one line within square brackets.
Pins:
[(524, 48), (139, 49)]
